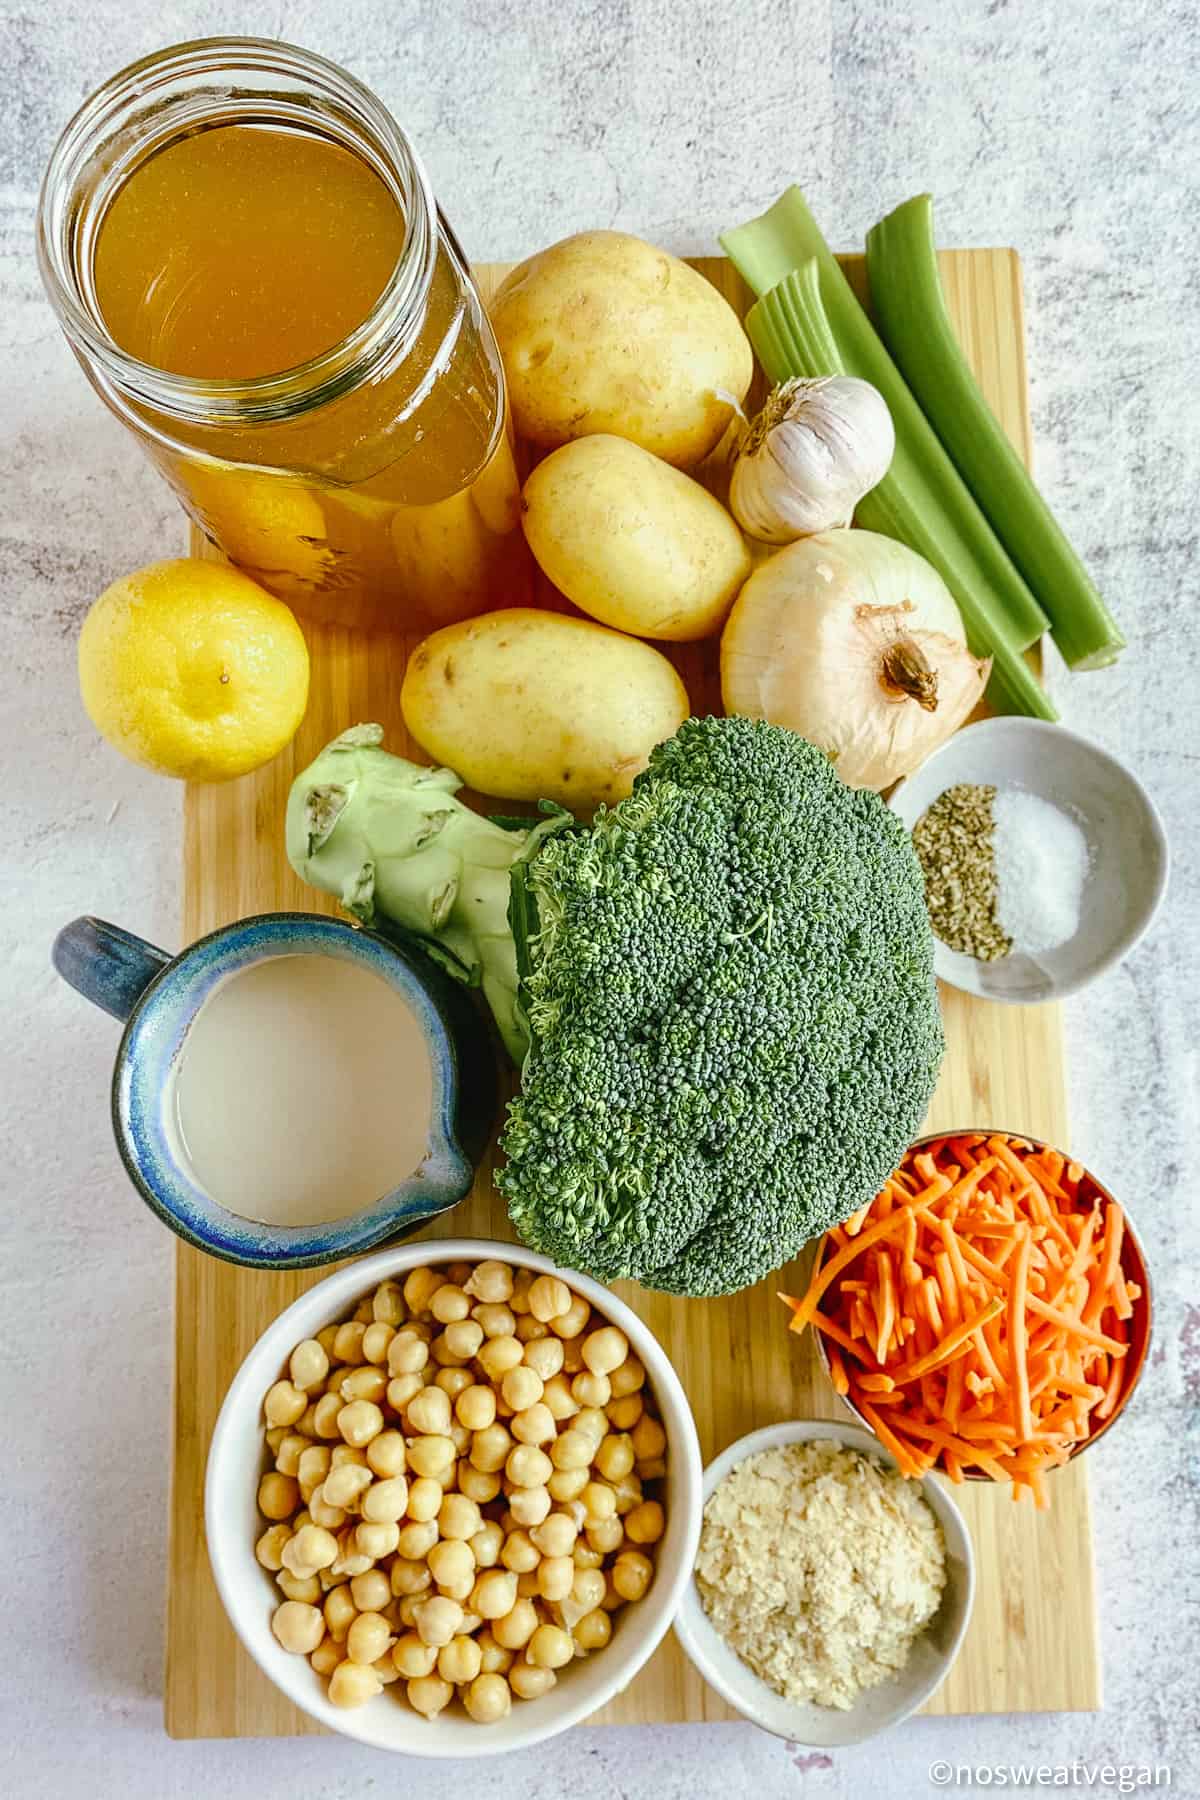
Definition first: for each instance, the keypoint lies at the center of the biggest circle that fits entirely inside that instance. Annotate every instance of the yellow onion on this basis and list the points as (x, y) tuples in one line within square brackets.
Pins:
[(855, 642)]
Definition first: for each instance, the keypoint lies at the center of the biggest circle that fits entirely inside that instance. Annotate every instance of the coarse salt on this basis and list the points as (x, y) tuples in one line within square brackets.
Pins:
[(1041, 862)]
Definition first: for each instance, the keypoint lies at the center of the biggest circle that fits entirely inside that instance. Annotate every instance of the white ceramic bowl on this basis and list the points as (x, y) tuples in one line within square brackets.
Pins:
[(824, 1727), (237, 1457), (1127, 876)]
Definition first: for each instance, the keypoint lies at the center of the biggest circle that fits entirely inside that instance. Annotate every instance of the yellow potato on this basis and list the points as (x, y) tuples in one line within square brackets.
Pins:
[(531, 705), (603, 332), (632, 541)]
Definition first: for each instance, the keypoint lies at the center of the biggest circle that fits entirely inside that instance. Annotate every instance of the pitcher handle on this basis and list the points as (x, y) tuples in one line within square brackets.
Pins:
[(110, 967)]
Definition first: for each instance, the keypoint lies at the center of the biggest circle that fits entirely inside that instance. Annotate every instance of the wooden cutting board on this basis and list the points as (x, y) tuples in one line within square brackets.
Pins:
[(1032, 1641)]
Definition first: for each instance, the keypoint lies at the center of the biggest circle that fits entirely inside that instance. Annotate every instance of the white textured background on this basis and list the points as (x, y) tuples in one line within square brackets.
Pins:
[(1066, 127)]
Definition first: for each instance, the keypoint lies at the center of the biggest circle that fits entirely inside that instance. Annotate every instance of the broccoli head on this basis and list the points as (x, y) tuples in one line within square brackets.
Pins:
[(735, 1030)]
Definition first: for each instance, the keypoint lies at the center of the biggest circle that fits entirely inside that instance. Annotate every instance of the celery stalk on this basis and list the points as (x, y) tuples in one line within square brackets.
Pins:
[(907, 298), (792, 335), (767, 249)]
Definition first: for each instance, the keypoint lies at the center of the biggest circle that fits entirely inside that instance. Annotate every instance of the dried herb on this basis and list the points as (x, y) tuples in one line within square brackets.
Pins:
[(953, 841)]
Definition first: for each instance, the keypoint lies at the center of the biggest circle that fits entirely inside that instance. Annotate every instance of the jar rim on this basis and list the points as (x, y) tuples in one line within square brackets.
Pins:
[(202, 75)]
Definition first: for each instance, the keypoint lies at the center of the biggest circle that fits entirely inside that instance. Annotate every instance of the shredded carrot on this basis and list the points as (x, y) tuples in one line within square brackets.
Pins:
[(977, 1313)]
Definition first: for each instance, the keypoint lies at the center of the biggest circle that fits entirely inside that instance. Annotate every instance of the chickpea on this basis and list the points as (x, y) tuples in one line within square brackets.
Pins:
[(615, 1456), (475, 1407), (365, 1383), (284, 1404), (607, 1535), (429, 1694), (523, 1280), (530, 1330), (269, 1547), (298, 1627), (458, 1272), (308, 1364), (362, 1313), (527, 1586), (385, 1501), (632, 1574), (322, 1513), (498, 1355), (374, 1539), (550, 1647), (593, 1421), (515, 1628), (605, 1350), (460, 1660), (327, 1338), (452, 1565), (386, 1456), (353, 1685), (278, 1495), (387, 1304), (567, 1484), (424, 1499), (359, 1421), (557, 1397), (341, 1489), (289, 1450), (326, 1657), (572, 1450), (345, 1453), (628, 1491), (493, 1657), (449, 1304), (405, 1609), (495, 1320), (488, 1698), (453, 1381), (528, 1682), (528, 1467), (376, 1339), (535, 1425), (429, 1412), (347, 1345), (371, 1592), (461, 1339), (490, 1448), (385, 1670), (408, 1352), (487, 1544), (649, 1439), (312, 1467), (573, 1363), (490, 1281), (306, 1424), (368, 1638), (556, 1577), (593, 1631), (549, 1298), (352, 1561), (569, 1324), (299, 1587), (627, 1378), (587, 1588), (340, 1613), (459, 1517), (412, 1658), (310, 1549), (556, 1535), (591, 1390), (521, 1387), (325, 1415), (584, 1557), (646, 1523), (494, 1594), (544, 1356), (400, 1390), (420, 1285), (432, 1457), (409, 1576), (520, 1553), (476, 1485), (624, 1413), (438, 1619), (598, 1502)]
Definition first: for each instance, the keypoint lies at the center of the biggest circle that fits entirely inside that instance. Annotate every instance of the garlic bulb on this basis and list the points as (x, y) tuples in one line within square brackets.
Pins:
[(855, 642), (809, 457)]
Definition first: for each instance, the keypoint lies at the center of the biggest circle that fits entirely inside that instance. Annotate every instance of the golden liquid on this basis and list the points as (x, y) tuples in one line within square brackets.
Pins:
[(303, 1091), (241, 252)]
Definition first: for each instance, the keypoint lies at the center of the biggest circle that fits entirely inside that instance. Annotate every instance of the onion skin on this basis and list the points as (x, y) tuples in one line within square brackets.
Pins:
[(853, 641)]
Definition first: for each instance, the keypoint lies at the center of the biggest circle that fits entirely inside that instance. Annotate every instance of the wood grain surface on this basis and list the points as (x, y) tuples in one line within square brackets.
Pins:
[(1032, 1641)]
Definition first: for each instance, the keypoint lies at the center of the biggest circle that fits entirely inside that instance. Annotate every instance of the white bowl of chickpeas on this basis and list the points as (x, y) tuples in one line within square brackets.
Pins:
[(453, 1499)]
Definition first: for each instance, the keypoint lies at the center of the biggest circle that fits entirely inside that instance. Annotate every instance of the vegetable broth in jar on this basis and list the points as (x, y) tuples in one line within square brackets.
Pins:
[(255, 276)]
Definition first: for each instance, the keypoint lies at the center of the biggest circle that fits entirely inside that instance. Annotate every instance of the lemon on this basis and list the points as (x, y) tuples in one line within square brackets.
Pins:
[(193, 669)]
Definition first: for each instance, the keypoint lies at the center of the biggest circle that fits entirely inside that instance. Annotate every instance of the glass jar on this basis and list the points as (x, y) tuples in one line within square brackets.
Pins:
[(372, 484)]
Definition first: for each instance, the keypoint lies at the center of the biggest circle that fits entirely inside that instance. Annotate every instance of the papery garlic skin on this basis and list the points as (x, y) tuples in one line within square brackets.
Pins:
[(809, 457)]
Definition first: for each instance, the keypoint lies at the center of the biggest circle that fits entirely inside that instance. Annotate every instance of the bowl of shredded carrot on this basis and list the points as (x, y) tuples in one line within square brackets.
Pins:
[(988, 1314)]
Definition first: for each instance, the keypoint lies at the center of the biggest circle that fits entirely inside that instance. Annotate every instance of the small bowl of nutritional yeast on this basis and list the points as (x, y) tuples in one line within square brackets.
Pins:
[(830, 1596), (1045, 859)]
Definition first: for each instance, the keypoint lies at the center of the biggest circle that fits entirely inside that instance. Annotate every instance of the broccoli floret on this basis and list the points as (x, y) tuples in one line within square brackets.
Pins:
[(735, 1023)]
